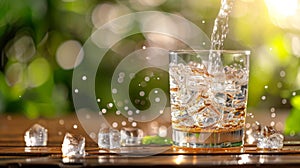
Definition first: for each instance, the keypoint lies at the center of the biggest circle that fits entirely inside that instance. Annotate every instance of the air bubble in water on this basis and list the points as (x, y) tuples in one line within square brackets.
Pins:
[(266, 86), (263, 97), (144, 47), (134, 124), (126, 108), (118, 112), (294, 94), (272, 123), (203, 21), (76, 90), (98, 100), (75, 126), (129, 112), (123, 123), (84, 78), (104, 111), (137, 111)]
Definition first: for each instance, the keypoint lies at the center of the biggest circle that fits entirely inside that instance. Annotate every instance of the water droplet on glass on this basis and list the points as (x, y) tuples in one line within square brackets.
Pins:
[(76, 90), (84, 78)]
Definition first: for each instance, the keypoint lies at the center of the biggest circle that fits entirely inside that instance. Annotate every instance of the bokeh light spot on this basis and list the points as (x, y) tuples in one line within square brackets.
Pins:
[(69, 54)]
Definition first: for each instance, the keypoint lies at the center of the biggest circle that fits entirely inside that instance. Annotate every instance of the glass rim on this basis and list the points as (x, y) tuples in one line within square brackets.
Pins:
[(182, 51)]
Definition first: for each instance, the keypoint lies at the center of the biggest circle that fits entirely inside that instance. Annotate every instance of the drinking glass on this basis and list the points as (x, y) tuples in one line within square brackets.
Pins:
[(208, 96)]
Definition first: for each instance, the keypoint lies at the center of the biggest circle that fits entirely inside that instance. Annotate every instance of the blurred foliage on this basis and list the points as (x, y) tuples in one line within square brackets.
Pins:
[(34, 82)]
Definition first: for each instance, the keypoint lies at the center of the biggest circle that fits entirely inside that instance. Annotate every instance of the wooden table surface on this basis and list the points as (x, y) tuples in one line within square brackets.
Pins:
[(13, 152)]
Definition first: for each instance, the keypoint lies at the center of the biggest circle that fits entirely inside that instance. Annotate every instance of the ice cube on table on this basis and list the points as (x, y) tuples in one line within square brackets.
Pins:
[(37, 135), (131, 136), (109, 138), (269, 138), (73, 146)]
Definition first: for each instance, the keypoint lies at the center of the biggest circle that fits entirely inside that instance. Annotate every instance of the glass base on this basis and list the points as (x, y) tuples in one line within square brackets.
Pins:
[(234, 138)]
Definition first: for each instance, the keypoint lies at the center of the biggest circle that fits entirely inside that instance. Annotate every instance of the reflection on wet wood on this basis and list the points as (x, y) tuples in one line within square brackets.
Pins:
[(13, 152)]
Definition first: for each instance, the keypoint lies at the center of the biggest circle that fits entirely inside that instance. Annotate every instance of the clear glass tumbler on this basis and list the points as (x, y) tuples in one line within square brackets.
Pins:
[(208, 95)]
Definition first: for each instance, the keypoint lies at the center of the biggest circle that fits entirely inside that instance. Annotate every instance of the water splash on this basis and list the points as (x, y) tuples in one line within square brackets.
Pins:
[(220, 29)]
